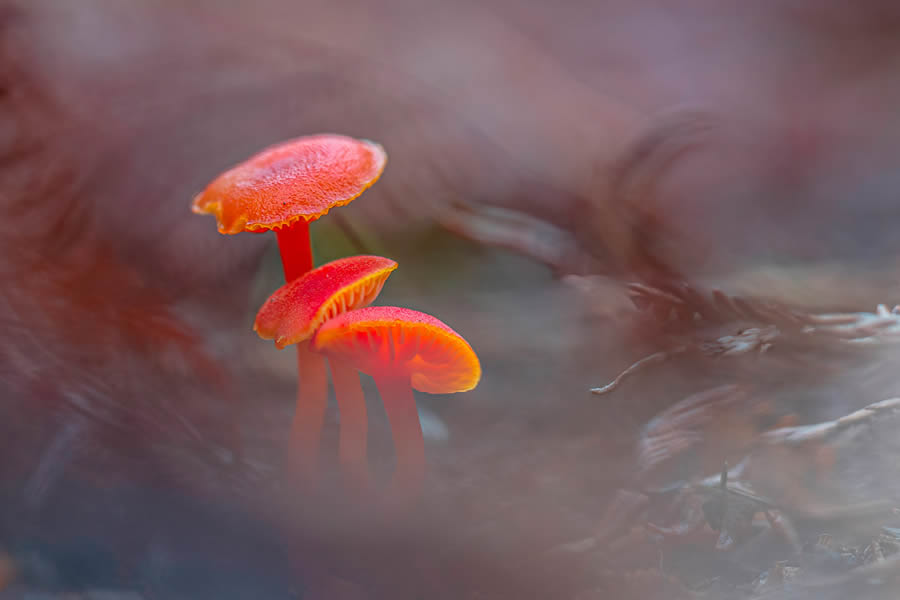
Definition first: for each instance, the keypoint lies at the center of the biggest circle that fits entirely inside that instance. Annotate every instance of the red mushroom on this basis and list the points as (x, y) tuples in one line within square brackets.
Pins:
[(287, 186), (284, 188), (402, 350), (293, 313)]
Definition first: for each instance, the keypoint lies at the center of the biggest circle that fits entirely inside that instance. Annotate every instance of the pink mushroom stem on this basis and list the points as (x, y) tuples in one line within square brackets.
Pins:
[(353, 443), (309, 415), (409, 446)]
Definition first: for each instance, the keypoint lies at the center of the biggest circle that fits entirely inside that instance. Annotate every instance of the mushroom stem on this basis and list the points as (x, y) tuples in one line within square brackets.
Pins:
[(312, 391), (353, 444), (400, 406), (295, 248), (309, 415)]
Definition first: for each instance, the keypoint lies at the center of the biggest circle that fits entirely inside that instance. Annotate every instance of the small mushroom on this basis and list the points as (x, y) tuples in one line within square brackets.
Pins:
[(293, 313), (284, 188), (289, 185), (402, 350)]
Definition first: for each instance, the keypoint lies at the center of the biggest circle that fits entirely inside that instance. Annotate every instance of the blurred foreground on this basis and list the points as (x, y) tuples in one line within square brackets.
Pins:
[(542, 158)]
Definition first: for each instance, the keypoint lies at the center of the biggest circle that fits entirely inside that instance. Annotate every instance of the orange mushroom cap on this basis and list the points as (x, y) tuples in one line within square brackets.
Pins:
[(300, 179), (387, 340), (296, 309)]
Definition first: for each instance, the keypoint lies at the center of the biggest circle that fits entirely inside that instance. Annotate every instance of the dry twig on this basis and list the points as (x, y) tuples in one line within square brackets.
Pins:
[(686, 305)]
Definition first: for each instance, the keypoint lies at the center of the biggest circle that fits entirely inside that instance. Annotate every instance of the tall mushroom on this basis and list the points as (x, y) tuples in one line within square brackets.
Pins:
[(284, 188), (402, 350), (287, 186), (293, 313)]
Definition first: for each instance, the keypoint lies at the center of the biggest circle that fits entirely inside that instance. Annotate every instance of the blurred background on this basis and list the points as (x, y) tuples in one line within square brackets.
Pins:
[(542, 157)]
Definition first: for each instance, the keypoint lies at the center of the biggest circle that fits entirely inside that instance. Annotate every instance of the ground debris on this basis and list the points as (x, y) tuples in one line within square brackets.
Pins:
[(685, 315), (719, 537)]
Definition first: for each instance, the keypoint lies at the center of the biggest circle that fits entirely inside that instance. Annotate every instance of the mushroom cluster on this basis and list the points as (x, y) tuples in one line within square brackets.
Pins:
[(325, 311)]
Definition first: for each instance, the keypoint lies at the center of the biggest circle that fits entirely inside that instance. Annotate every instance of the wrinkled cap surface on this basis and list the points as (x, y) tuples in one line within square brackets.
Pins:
[(294, 312), (300, 179), (392, 341)]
